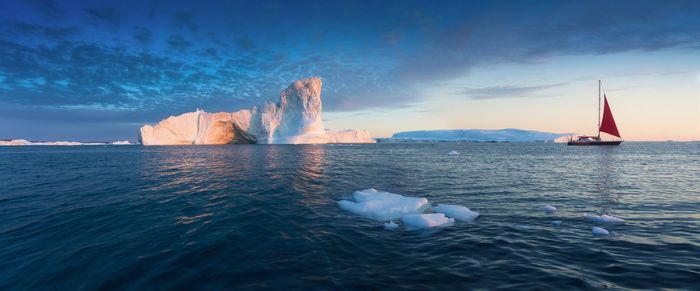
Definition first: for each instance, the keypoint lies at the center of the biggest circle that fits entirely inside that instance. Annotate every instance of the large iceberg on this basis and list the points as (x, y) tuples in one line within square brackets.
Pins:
[(294, 119)]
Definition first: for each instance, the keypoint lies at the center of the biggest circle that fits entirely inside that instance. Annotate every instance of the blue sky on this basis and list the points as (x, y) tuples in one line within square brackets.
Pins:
[(92, 70)]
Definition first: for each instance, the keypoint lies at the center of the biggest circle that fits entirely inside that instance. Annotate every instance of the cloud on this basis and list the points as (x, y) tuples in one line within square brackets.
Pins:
[(23, 30), (244, 42), (106, 15), (178, 42), (184, 20), (46, 7), (523, 33), (142, 34), (506, 91)]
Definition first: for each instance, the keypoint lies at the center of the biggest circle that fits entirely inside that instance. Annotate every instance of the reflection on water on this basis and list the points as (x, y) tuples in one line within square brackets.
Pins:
[(310, 178), (265, 217), (607, 173)]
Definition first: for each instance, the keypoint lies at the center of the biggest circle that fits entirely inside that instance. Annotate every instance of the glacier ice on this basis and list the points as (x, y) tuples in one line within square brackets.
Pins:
[(457, 212), (349, 136), (453, 153), (294, 119), (383, 206), (549, 208), (599, 231), (390, 225), (428, 220), (605, 218)]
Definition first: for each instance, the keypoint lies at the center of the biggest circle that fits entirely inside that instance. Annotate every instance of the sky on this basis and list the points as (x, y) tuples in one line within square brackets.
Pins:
[(99, 70)]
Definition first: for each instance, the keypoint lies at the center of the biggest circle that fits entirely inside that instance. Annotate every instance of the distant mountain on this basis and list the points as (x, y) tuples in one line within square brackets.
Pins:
[(478, 135)]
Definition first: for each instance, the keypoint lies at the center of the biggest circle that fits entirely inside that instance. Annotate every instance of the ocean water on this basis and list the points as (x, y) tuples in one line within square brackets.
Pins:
[(266, 217)]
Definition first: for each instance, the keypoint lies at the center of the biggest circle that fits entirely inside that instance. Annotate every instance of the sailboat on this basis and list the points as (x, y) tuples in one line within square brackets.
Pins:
[(606, 124)]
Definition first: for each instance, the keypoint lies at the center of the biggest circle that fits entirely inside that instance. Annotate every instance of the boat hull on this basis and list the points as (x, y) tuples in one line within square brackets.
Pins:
[(594, 143)]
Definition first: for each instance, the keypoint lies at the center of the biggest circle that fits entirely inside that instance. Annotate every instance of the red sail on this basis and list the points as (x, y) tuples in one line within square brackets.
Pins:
[(608, 122)]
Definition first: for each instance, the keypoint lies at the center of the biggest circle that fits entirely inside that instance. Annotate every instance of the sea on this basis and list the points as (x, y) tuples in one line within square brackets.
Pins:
[(252, 217)]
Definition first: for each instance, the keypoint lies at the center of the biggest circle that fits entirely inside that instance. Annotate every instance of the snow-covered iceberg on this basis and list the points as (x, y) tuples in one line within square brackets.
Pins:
[(294, 119), (477, 135)]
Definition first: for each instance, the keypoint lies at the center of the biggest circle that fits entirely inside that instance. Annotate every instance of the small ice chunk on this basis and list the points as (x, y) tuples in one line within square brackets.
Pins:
[(612, 219), (599, 231), (604, 218), (453, 153), (556, 222), (383, 206), (549, 208), (418, 221), (390, 225), (457, 212)]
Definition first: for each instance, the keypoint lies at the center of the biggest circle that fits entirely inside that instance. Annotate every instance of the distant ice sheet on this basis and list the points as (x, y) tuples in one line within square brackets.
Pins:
[(382, 206), (24, 142), (457, 212)]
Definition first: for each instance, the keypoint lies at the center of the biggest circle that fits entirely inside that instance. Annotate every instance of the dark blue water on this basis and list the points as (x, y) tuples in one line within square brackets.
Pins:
[(256, 216)]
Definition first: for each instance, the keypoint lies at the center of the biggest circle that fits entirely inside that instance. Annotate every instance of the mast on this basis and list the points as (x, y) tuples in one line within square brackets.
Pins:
[(599, 85)]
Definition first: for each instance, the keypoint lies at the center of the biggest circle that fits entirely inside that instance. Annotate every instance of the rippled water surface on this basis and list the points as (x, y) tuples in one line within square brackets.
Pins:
[(263, 216)]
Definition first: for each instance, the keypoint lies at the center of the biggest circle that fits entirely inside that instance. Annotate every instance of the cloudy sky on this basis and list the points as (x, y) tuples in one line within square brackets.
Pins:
[(97, 71)]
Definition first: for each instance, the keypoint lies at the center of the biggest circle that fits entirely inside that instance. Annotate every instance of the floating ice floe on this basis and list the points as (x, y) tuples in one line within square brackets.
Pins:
[(457, 212), (453, 153), (549, 208), (555, 222), (383, 206), (429, 220), (390, 225), (604, 218), (599, 231)]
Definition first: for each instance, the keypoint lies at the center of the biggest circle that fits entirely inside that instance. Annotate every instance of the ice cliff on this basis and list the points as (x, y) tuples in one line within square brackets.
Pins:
[(294, 119)]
